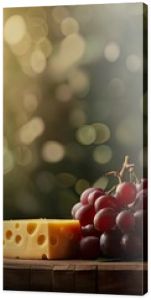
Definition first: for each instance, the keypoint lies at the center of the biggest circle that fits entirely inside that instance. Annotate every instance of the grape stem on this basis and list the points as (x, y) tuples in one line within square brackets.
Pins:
[(111, 190), (119, 174), (126, 165), (135, 176), (131, 174)]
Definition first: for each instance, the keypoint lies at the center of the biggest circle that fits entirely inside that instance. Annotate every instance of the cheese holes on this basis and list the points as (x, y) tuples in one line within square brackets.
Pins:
[(44, 256), (53, 240), (17, 225), (18, 238), (31, 227), (41, 239), (9, 234)]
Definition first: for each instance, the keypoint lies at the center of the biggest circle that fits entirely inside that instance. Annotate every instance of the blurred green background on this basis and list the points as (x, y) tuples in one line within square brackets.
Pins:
[(75, 100)]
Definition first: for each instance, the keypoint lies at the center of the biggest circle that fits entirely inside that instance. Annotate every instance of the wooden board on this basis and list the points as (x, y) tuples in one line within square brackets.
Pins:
[(76, 276)]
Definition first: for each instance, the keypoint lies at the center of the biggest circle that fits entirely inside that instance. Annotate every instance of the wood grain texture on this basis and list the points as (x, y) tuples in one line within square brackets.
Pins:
[(77, 276), (41, 278), (121, 282), (16, 279), (63, 278), (85, 278)]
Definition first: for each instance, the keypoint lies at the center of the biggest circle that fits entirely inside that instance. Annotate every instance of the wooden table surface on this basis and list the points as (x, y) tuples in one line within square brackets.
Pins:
[(76, 276)]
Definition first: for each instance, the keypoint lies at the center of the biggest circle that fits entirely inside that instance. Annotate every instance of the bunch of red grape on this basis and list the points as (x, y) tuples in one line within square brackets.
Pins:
[(113, 225)]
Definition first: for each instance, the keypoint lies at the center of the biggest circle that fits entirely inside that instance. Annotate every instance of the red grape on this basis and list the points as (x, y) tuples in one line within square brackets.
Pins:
[(89, 230), (132, 245), (140, 222), (125, 221), (85, 214), (125, 193), (104, 219), (85, 194), (141, 228), (90, 247), (110, 243), (141, 200), (94, 195), (143, 185), (137, 187), (105, 201), (75, 208)]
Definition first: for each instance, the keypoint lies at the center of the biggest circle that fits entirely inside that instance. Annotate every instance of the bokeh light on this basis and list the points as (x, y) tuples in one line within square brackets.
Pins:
[(60, 13), (14, 29), (30, 131), (38, 61), (8, 161), (79, 81), (69, 25), (71, 50), (25, 63), (30, 102), (45, 46), (101, 182), (133, 63), (23, 46), (81, 185), (112, 51), (53, 151), (73, 47), (102, 154), (86, 135), (102, 133)]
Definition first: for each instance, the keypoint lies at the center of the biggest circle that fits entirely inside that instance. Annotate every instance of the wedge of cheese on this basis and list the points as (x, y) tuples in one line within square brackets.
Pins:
[(41, 239)]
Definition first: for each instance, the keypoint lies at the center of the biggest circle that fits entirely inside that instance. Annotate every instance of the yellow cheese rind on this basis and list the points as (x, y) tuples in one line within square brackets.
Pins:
[(41, 238)]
